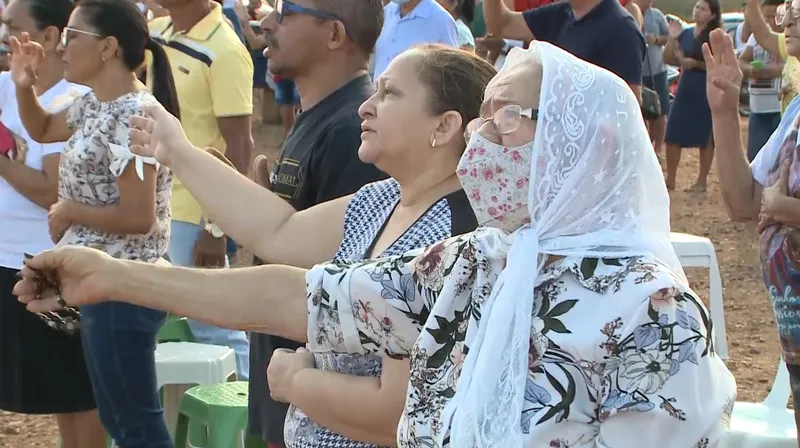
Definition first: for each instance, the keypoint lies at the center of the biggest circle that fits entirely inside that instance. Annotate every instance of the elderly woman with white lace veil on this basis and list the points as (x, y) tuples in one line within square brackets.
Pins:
[(564, 321)]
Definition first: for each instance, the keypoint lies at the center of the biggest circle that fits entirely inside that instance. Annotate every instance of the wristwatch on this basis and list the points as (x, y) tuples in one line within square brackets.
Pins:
[(214, 230)]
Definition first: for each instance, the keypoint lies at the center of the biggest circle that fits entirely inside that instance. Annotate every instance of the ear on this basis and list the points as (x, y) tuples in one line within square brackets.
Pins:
[(449, 128), (110, 48), (338, 35), (50, 39)]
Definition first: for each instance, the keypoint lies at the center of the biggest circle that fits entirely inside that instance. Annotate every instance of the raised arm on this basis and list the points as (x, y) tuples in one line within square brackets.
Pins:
[(266, 299), (672, 49), (763, 35), (740, 191), (255, 217), (254, 41), (503, 21), (41, 125)]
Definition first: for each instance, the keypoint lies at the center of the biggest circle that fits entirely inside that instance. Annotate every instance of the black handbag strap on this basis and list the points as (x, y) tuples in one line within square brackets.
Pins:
[(649, 67)]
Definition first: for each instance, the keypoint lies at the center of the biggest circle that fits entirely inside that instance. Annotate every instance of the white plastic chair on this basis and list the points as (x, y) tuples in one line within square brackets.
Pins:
[(768, 424), (180, 365), (696, 251)]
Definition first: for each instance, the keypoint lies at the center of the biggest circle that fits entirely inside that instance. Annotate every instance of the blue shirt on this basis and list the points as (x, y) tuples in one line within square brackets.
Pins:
[(656, 24), (427, 23), (607, 36)]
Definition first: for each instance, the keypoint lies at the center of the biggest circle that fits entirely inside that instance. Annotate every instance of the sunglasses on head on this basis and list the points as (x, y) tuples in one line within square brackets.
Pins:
[(68, 33), (786, 14), (285, 8)]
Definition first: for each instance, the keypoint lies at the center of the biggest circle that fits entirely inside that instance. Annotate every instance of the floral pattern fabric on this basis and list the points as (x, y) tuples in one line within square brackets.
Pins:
[(367, 213), (780, 248), (620, 351), (96, 154), (496, 179)]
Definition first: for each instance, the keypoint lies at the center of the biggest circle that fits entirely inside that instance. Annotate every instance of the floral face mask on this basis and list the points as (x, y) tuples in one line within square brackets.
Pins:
[(496, 179)]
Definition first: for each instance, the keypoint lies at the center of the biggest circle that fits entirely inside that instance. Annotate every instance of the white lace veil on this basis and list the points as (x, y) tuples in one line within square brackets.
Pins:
[(596, 190)]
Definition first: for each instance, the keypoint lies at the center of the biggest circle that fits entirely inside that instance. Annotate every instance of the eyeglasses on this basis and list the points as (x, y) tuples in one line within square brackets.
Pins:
[(786, 13), (66, 36), (506, 120), (286, 8)]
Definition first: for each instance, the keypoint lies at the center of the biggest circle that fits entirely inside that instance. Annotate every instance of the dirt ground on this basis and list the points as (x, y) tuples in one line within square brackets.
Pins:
[(754, 351)]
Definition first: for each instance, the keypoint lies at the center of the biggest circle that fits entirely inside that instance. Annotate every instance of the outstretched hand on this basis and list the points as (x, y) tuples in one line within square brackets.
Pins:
[(26, 56), (85, 276), (158, 134), (723, 75)]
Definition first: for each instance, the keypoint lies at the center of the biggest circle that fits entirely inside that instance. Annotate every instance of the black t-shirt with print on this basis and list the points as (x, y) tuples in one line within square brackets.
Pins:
[(318, 162)]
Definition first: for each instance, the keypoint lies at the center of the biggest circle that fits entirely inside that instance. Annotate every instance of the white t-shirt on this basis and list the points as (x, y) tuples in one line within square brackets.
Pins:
[(764, 93), (23, 224), (767, 158), (737, 39)]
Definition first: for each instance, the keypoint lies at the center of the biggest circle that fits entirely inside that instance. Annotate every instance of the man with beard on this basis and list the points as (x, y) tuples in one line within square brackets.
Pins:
[(324, 47), (213, 76)]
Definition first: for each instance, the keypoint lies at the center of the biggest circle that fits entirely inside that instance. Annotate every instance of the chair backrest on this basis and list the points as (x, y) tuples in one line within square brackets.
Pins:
[(778, 395)]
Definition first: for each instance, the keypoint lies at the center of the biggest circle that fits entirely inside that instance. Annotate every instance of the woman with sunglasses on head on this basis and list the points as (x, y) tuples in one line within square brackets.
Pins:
[(109, 199), (41, 370)]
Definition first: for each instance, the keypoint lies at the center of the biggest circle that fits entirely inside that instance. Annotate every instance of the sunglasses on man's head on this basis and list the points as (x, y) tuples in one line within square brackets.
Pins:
[(68, 33), (285, 8)]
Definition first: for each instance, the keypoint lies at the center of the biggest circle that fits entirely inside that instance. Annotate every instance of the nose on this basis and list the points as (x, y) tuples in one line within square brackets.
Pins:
[(367, 108), (488, 131)]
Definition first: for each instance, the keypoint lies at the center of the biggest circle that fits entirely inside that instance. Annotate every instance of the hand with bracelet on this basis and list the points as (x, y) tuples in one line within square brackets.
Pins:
[(210, 248)]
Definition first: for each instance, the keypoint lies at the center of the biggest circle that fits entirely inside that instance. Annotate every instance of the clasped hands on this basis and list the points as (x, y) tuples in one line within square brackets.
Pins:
[(282, 372), (773, 199)]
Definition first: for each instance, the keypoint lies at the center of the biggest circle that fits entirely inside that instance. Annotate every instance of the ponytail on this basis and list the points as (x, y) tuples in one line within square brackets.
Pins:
[(163, 84)]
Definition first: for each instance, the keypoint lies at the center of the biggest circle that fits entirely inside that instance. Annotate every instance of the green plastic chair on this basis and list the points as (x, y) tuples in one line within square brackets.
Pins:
[(175, 329), (214, 415)]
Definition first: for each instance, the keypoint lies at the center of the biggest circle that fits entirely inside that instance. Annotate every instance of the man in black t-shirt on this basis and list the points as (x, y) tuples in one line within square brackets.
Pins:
[(599, 31), (327, 59)]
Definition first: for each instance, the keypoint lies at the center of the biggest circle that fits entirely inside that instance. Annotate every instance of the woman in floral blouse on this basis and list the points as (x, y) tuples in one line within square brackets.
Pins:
[(108, 199), (565, 321)]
